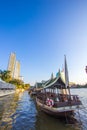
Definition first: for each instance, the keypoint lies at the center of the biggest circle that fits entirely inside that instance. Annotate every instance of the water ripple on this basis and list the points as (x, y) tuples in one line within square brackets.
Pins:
[(19, 112)]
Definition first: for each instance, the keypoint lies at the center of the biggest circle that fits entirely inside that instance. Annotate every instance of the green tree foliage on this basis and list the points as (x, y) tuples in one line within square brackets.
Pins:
[(17, 82), (80, 86), (26, 86), (5, 75)]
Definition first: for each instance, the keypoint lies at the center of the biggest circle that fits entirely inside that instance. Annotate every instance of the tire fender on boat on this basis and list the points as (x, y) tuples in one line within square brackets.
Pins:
[(49, 102)]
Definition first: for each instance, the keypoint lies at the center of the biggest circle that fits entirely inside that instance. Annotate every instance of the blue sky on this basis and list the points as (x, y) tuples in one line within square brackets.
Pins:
[(40, 32)]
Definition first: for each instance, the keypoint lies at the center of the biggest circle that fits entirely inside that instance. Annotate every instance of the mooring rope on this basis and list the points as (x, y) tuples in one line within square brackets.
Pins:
[(66, 118)]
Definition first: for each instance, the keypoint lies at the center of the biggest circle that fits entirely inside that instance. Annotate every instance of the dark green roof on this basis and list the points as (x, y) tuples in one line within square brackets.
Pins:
[(59, 77), (39, 85), (52, 80)]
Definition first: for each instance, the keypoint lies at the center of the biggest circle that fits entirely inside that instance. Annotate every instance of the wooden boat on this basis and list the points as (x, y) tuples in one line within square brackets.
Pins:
[(55, 98), (33, 91)]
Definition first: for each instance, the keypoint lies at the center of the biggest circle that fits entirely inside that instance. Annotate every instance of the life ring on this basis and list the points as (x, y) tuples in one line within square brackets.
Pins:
[(49, 102)]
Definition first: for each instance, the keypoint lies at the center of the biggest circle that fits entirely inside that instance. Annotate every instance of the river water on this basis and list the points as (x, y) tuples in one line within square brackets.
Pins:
[(19, 112)]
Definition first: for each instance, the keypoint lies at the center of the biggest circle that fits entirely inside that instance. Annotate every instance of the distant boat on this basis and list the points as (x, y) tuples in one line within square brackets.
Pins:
[(55, 97), (33, 90)]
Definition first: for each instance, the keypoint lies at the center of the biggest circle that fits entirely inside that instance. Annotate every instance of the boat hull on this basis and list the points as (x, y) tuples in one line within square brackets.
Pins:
[(57, 112)]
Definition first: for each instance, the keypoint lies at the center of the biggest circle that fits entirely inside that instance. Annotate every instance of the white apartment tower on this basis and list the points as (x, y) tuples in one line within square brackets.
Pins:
[(14, 66), (11, 63), (17, 70)]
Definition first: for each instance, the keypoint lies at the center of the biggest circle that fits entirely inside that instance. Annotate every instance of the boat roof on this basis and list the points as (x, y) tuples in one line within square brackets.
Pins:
[(58, 80)]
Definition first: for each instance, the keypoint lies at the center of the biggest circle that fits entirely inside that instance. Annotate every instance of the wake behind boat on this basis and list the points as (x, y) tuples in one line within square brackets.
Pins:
[(55, 97)]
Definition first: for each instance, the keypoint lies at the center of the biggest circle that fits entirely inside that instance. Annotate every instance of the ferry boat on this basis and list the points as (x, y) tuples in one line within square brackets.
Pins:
[(55, 97)]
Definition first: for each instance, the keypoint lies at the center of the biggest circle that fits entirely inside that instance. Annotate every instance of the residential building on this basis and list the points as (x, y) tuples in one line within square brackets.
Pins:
[(16, 74), (14, 66), (11, 63)]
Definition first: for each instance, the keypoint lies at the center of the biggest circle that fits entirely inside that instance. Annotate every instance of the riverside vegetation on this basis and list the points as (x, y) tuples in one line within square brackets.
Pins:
[(81, 86), (5, 76)]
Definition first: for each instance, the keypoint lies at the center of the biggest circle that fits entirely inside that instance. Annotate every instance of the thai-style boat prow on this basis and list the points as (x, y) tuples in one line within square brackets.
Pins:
[(55, 97)]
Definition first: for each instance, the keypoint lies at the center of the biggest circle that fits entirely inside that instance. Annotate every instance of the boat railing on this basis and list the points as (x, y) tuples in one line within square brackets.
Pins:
[(59, 99), (68, 98)]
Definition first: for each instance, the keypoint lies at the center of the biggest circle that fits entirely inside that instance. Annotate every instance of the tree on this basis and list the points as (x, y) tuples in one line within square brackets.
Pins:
[(5, 75), (26, 86), (0, 73), (17, 82)]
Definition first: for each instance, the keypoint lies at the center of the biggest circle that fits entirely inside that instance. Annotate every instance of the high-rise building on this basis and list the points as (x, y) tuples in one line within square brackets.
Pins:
[(11, 64), (14, 66), (17, 70)]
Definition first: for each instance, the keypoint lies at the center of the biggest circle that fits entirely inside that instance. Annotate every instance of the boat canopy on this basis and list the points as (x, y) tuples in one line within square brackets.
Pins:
[(61, 80), (53, 82), (56, 82)]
